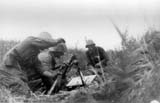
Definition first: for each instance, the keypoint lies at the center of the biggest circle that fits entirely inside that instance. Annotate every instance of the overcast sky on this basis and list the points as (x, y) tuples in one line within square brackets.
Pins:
[(76, 20)]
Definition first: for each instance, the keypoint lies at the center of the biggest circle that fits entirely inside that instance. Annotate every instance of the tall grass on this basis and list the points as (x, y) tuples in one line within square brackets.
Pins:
[(133, 72), (5, 45)]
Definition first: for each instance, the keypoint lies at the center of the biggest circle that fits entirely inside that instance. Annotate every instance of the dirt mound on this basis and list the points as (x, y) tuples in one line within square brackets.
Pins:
[(13, 84)]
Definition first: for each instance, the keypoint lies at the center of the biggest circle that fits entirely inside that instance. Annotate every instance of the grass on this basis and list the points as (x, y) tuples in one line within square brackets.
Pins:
[(132, 75)]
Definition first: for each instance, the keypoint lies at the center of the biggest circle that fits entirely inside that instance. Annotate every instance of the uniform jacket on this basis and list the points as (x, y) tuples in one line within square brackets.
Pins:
[(22, 58), (96, 55), (47, 61)]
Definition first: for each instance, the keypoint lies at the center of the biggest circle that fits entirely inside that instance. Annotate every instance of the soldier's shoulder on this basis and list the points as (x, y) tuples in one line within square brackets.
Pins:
[(87, 51), (30, 38), (43, 55)]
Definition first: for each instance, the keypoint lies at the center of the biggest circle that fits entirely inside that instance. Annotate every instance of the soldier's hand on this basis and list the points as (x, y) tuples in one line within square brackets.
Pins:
[(59, 73), (98, 65), (49, 74), (90, 67), (75, 62)]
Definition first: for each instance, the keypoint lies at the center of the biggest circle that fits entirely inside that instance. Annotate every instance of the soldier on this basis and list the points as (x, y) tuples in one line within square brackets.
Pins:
[(97, 59), (21, 59), (47, 68), (96, 55)]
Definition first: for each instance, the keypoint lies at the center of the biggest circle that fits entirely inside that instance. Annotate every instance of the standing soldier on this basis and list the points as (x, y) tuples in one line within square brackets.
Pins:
[(21, 59)]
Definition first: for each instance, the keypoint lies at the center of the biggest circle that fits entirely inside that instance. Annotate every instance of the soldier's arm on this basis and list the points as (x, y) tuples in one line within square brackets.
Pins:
[(43, 64), (104, 55), (49, 74), (45, 44), (46, 71), (89, 59)]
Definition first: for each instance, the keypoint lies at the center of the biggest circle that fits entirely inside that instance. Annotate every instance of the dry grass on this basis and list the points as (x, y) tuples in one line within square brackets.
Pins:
[(132, 77), (5, 46)]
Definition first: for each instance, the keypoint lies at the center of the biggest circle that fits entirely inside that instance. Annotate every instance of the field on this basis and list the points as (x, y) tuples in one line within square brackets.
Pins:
[(132, 75)]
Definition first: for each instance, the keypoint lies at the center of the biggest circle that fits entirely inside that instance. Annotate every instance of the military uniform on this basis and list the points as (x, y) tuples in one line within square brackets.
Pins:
[(97, 58), (48, 62), (96, 55), (20, 60)]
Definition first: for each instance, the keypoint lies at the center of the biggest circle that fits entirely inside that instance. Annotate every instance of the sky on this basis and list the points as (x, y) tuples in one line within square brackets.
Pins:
[(78, 20)]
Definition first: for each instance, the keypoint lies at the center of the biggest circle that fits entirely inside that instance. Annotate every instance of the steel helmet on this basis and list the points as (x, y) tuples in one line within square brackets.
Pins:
[(154, 101), (89, 42), (45, 36), (59, 48)]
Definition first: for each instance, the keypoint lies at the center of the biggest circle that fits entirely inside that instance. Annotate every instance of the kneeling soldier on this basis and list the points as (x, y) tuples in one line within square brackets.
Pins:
[(47, 68)]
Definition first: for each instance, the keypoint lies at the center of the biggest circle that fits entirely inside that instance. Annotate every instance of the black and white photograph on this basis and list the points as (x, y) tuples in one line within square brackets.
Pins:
[(79, 51)]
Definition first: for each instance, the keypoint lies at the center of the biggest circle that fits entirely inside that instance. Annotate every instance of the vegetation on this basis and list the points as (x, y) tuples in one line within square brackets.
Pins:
[(5, 45), (132, 75)]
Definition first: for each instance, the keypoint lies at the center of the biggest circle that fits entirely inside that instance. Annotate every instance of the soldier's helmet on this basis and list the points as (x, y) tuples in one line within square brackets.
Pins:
[(89, 42), (45, 36), (154, 101), (61, 47)]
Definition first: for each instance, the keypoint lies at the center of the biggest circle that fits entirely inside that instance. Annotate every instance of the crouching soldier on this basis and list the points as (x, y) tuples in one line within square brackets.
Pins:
[(47, 67), (97, 57), (21, 59)]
